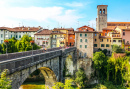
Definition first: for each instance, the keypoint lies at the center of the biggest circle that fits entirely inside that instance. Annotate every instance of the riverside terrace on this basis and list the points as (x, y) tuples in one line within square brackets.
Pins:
[(51, 63)]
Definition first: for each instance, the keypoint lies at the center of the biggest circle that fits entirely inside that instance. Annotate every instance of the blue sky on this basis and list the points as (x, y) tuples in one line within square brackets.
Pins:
[(56, 13)]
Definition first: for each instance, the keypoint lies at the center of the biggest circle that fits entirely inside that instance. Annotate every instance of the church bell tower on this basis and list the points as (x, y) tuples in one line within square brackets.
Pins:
[(101, 20)]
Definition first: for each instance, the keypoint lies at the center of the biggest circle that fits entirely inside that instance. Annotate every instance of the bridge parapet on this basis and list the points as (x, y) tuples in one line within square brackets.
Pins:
[(9, 56), (18, 64)]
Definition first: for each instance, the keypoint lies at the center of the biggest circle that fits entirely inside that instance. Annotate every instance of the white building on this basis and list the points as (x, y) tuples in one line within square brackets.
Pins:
[(17, 32)]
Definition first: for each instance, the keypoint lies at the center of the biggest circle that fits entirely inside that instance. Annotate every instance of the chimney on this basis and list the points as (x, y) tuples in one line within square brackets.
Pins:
[(28, 28), (22, 28), (39, 27)]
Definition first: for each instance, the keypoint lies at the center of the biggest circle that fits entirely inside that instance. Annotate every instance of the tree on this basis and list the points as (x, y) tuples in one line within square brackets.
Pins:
[(117, 49), (105, 51), (81, 78), (100, 62), (5, 83)]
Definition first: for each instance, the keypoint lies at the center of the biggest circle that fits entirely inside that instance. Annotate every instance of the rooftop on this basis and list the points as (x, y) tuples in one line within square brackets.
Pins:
[(44, 32)]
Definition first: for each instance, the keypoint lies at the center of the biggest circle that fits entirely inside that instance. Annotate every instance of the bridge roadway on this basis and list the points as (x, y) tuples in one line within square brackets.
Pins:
[(51, 63)]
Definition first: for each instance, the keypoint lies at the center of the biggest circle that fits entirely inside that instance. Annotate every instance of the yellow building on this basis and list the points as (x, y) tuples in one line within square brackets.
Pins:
[(58, 39), (116, 38), (105, 42)]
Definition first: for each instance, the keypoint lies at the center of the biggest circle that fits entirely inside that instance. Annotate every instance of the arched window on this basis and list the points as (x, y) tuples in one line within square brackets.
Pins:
[(100, 11), (103, 11)]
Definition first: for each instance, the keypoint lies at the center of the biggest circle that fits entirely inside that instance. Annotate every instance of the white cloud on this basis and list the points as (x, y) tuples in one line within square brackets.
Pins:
[(14, 15), (74, 4)]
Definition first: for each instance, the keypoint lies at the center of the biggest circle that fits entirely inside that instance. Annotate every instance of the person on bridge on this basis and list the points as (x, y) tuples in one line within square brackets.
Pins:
[(45, 49)]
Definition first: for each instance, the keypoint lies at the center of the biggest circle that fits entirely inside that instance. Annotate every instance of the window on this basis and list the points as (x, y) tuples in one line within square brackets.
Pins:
[(101, 40), (124, 41), (1, 30), (95, 34), (95, 45), (1, 35), (1, 41), (80, 46), (103, 11), (85, 46), (95, 40), (85, 40), (85, 54), (105, 34), (19, 36), (85, 35), (114, 40), (80, 35), (107, 45), (16, 36), (11, 36), (119, 40), (100, 11), (102, 45), (70, 37), (107, 40), (123, 33), (80, 40)]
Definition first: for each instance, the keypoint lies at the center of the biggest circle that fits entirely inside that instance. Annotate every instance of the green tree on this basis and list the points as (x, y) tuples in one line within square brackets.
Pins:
[(81, 78), (117, 49), (5, 83), (100, 62)]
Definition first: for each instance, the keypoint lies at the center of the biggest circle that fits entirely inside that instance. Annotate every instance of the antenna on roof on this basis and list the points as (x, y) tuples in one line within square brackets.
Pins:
[(78, 24), (19, 24)]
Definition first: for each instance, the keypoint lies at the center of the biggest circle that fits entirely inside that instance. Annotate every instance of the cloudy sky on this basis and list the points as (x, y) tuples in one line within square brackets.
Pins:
[(57, 13)]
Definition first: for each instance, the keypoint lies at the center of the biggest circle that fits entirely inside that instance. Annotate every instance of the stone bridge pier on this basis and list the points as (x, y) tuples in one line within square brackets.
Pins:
[(50, 63)]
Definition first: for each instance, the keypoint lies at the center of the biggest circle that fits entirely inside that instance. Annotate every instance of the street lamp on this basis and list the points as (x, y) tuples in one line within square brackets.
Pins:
[(32, 43), (6, 43)]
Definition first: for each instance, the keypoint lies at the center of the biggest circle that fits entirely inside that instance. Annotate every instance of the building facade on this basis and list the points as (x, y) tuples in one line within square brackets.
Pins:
[(84, 41), (43, 38), (17, 32)]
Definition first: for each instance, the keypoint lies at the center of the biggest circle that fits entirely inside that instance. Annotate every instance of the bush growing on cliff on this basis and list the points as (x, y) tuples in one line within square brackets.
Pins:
[(81, 78), (5, 83)]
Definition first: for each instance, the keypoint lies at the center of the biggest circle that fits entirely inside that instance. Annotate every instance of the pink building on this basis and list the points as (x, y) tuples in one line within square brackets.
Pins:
[(125, 34)]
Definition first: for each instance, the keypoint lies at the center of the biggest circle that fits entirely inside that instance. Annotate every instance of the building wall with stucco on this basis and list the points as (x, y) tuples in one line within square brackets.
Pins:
[(84, 51)]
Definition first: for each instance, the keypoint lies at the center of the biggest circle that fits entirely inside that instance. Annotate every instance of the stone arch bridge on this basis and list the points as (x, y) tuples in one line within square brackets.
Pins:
[(51, 64)]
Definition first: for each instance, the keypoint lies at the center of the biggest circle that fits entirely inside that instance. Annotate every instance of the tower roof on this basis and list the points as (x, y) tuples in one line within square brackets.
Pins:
[(102, 5)]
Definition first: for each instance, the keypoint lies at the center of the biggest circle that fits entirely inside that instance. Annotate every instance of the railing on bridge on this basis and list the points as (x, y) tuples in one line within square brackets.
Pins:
[(4, 57)]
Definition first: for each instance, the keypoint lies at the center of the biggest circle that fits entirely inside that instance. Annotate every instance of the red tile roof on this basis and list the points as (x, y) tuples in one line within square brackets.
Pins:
[(109, 28), (44, 32), (21, 29), (58, 32), (63, 29)]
